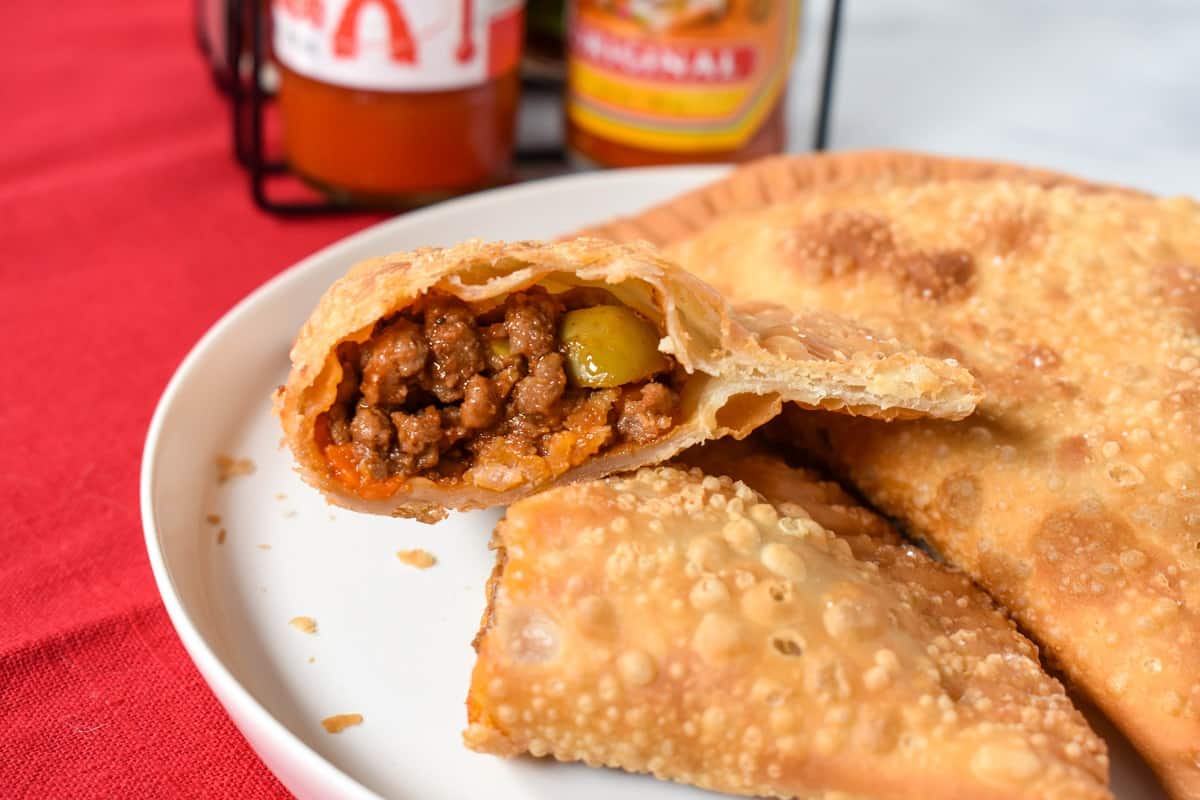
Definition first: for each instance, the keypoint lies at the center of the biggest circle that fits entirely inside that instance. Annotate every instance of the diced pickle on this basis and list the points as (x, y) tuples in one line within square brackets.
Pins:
[(607, 346)]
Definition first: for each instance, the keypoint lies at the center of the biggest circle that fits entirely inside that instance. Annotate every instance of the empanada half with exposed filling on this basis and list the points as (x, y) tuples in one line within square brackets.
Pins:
[(469, 376)]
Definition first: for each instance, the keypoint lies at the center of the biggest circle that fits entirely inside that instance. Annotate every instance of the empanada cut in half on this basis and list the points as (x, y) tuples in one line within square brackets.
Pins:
[(680, 624), (466, 377)]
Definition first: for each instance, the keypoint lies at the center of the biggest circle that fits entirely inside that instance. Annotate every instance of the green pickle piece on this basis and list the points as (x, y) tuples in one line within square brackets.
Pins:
[(607, 346)]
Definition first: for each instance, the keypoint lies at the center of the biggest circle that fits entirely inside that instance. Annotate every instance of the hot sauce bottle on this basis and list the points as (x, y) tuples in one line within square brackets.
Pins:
[(400, 102), (675, 81)]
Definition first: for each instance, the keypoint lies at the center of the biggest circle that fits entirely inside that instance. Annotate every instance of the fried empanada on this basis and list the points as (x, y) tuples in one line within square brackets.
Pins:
[(1073, 494), (679, 624), (469, 376)]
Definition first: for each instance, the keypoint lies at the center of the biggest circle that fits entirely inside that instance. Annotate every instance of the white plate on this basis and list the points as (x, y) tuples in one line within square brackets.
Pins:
[(392, 641)]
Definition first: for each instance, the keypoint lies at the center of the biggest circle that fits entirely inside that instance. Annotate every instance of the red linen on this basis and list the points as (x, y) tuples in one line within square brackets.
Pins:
[(125, 231)]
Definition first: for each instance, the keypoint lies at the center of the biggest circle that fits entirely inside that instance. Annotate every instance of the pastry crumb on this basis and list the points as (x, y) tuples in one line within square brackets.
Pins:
[(221, 536), (421, 559), (264, 547), (280, 496), (212, 519), (304, 624), (230, 467), (339, 722), (312, 659), (291, 513)]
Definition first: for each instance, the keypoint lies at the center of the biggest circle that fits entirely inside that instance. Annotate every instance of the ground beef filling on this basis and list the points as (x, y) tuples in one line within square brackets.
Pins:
[(439, 389)]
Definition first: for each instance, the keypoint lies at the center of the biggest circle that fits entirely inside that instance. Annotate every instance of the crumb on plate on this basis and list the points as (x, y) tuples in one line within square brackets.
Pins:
[(264, 547), (421, 559), (212, 519), (230, 467), (339, 722), (303, 624), (280, 496), (221, 536)]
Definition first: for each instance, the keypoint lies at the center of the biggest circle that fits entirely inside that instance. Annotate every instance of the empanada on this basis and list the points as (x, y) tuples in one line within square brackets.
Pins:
[(469, 376), (678, 624), (1073, 494)]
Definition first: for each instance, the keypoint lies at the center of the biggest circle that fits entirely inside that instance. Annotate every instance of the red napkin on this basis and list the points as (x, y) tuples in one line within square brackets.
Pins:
[(125, 231)]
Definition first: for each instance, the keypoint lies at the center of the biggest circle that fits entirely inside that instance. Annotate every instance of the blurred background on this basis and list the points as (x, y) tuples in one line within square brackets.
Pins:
[(392, 105), (1108, 89)]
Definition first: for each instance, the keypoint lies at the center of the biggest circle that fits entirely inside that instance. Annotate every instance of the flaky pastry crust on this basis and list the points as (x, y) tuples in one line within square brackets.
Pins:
[(753, 462), (779, 179), (678, 624), (1073, 495), (742, 364)]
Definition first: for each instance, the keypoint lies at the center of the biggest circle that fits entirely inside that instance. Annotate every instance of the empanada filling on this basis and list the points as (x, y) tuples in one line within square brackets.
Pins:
[(517, 392)]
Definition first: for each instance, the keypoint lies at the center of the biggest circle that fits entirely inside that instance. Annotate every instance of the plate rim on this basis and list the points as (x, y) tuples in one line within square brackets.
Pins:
[(225, 686)]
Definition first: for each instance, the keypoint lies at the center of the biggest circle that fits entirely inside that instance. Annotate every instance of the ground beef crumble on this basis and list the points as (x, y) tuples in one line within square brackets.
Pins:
[(437, 387), (645, 412)]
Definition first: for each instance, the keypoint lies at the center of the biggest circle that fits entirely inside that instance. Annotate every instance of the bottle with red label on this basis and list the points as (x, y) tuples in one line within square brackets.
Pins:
[(398, 101), (675, 81)]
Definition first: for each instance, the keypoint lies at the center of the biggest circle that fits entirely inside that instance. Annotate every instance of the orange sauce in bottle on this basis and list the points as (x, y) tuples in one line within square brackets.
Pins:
[(678, 81), (398, 101)]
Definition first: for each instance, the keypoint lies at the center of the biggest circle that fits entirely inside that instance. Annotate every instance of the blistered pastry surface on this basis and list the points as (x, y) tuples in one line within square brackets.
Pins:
[(1073, 495), (679, 624)]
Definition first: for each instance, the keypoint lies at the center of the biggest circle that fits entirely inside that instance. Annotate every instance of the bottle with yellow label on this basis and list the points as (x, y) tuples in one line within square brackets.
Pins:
[(676, 81)]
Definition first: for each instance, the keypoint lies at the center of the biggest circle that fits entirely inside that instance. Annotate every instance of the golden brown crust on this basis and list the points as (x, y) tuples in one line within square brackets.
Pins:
[(1073, 494), (742, 364), (678, 624), (752, 463), (778, 179)]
